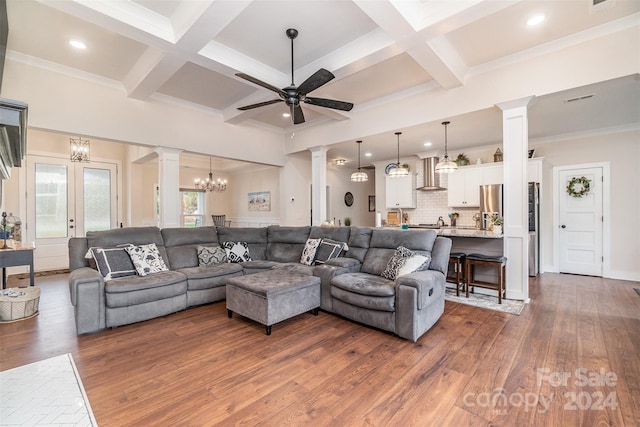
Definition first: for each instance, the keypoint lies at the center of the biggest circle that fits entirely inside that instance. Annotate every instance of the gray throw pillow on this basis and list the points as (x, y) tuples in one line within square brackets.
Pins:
[(329, 249), (211, 255), (112, 262), (396, 262)]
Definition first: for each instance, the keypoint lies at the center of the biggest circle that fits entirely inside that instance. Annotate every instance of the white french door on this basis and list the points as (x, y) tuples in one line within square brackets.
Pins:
[(66, 199), (581, 223)]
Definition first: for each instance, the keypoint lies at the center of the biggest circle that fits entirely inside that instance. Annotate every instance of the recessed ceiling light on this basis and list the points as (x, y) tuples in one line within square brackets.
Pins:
[(535, 20), (427, 144), (340, 162), (77, 44), (286, 114), (368, 154)]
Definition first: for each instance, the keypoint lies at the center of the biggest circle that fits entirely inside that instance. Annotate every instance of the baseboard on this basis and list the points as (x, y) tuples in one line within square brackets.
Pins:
[(624, 275)]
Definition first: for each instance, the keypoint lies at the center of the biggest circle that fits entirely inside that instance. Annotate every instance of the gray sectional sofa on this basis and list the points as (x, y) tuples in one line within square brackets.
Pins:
[(352, 285)]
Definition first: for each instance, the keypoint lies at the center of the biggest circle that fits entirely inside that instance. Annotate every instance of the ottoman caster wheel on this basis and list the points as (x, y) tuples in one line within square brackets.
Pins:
[(229, 313)]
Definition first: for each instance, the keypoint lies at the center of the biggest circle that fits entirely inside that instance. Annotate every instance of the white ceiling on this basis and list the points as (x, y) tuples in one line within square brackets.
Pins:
[(188, 51)]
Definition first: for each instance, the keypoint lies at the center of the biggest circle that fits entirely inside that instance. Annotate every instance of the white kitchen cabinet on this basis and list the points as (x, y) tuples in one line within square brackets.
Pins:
[(464, 188), (401, 191), (492, 174)]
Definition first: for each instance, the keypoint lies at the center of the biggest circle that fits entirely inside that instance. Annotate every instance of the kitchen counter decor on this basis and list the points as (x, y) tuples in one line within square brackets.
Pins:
[(578, 187)]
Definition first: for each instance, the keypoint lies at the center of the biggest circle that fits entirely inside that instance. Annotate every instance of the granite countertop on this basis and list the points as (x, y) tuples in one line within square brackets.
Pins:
[(456, 231)]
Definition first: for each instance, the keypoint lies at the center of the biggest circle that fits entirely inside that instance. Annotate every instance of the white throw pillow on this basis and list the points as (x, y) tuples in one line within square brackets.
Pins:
[(309, 251), (146, 259), (414, 263)]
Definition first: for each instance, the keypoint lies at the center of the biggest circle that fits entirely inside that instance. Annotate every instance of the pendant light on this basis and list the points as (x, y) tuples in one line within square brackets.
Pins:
[(399, 170), (359, 176), (446, 165)]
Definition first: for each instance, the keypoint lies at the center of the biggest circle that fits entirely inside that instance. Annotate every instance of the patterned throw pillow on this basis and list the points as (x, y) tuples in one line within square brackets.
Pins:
[(237, 251), (329, 249), (309, 251), (112, 263), (211, 255), (146, 259), (396, 262), (414, 263)]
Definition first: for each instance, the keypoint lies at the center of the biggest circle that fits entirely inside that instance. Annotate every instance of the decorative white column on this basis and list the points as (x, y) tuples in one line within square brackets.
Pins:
[(318, 185), (169, 183), (515, 142)]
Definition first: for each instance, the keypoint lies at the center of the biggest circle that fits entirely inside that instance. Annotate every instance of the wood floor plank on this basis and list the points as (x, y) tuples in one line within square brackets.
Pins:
[(200, 368)]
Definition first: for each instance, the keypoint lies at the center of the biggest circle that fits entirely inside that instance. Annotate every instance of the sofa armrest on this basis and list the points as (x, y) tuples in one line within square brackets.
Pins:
[(326, 273), (426, 283), (86, 288)]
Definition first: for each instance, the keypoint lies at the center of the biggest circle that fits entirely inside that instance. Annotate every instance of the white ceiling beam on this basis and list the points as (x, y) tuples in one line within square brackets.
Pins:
[(198, 23), (448, 73)]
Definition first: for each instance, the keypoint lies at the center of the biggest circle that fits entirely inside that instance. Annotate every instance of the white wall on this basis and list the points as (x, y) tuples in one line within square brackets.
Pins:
[(260, 178), (622, 151), (339, 182)]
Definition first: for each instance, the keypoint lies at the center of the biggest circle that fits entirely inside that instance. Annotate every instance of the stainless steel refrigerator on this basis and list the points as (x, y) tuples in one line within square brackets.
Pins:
[(491, 203), (534, 228)]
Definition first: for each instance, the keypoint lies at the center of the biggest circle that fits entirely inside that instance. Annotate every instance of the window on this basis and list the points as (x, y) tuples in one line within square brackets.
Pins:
[(192, 208)]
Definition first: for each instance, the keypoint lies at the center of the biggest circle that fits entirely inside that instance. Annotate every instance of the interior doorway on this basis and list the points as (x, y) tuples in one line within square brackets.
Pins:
[(66, 199), (580, 218)]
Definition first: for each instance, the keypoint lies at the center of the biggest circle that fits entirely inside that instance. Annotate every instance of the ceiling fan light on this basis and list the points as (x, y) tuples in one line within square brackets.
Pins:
[(359, 177)]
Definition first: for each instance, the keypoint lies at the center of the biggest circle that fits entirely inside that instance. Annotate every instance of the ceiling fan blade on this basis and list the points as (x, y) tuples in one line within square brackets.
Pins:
[(318, 79), (259, 104), (261, 83), (296, 113), (329, 103)]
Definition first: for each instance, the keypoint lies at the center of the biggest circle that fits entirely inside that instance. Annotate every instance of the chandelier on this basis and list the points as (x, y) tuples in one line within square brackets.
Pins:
[(79, 150), (210, 184)]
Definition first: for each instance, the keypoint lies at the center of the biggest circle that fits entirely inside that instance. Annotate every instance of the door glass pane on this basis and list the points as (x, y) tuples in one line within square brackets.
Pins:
[(51, 201), (97, 199)]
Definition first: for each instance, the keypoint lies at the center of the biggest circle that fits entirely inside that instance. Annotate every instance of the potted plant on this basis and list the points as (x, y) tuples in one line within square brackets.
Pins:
[(347, 221), (496, 223)]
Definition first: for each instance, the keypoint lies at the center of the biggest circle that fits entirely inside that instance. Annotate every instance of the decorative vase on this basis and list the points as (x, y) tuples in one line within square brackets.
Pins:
[(497, 229)]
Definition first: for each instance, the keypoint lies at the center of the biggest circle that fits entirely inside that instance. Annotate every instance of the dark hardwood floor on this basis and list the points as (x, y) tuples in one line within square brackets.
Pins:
[(572, 358)]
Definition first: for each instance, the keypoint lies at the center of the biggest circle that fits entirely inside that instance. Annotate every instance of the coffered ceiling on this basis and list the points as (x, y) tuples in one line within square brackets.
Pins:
[(188, 52)]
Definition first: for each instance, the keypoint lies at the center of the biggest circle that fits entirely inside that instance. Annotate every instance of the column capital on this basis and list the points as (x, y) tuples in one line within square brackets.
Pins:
[(527, 101), (319, 149)]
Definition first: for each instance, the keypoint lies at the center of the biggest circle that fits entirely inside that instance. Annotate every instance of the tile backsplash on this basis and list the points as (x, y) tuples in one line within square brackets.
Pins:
[(433, 204)]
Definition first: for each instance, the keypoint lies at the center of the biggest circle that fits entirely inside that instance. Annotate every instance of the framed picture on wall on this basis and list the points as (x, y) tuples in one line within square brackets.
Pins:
[(259, 201), (372, 203)]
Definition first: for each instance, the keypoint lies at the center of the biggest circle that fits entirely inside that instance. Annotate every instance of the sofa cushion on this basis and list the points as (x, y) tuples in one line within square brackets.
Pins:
[(133, 290), (397, 260), (285, 244), (256, 238), (296, 267), (329, 249), (309, 251), (341, 234), (364, 290), (237, 251), (146, 259), (256, 266), (211, 255), (359, 239), (211, 270), (112, 262)]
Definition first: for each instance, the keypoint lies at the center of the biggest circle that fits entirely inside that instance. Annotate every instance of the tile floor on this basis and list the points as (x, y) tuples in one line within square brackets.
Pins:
[(45, 393)]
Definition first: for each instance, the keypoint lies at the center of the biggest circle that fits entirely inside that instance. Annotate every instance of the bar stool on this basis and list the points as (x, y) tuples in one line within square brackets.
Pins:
[(456, 275), (498, 262)]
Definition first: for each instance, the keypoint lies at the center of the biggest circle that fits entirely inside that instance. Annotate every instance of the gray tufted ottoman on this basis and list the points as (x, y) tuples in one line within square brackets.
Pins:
[(272, 296)]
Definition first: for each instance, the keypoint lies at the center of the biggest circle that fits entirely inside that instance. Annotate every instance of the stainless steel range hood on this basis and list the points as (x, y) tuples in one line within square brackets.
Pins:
[(431, 180), (13, 135)]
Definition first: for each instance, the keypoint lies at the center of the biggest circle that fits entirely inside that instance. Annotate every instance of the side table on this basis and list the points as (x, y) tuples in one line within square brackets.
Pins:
[(19, 254)]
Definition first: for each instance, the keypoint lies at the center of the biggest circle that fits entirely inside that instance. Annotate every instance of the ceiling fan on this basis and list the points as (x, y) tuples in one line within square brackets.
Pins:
[(293, 96)]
